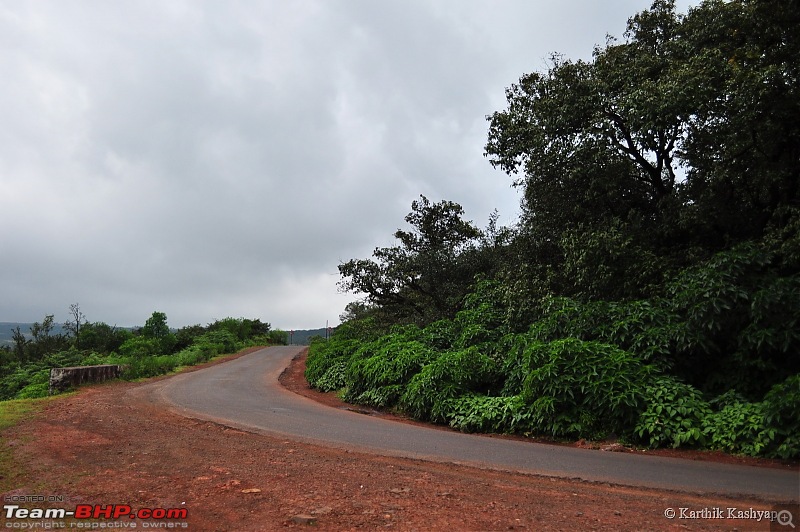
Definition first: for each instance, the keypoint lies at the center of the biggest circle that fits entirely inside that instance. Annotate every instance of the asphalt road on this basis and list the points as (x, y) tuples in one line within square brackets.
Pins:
[(245, 393)]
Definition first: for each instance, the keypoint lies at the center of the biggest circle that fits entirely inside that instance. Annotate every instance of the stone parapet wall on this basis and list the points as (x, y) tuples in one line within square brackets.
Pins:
[(64, 378)]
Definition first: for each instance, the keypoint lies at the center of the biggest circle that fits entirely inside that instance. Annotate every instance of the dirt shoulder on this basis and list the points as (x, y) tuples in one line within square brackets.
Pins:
[(104, 445)]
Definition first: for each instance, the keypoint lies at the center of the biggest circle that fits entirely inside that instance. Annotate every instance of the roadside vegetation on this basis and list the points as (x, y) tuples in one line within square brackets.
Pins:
[(650, 290), (147, 351)]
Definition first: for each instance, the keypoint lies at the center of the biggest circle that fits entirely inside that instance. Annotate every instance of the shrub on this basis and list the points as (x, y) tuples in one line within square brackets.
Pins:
[(140, 347), (439, 335), (322, 355), (739, 427), (38, 385), (140, 368), (740, 322), (378, 372), (516, 365), (333, 378), (583, 389), (33, 391), (452, 374), (675, 414), (782, 411), (481, 413), (222, 341)]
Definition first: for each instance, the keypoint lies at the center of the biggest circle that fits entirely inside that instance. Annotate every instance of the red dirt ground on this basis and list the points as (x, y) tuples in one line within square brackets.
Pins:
[(104, 445)]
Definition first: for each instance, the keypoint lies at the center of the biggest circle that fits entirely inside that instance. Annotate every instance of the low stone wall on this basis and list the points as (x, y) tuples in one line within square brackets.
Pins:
[(63, 378)]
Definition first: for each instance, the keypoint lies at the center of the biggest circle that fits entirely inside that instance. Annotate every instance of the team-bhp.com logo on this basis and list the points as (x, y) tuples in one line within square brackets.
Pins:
[(114, 512)]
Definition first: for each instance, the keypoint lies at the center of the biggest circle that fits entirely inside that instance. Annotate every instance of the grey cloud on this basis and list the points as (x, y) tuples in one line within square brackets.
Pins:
[(208, 159)]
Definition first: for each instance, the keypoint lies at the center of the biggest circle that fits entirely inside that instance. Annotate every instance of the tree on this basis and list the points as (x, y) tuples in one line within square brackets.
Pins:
[(241, 328), (743, 139), (74, 325), (102, 337), (43, 341), (20, 343), (425, 277), (684, 139), (155, 326)]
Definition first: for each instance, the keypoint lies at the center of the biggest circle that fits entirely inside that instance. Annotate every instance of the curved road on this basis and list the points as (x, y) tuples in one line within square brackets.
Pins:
[(245, 393)]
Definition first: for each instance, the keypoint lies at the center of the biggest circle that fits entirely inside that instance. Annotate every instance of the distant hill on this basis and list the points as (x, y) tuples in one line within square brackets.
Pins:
[(302, 337)]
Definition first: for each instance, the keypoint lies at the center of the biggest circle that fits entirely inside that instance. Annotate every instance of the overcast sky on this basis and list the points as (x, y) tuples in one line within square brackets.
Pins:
[(209, 159)]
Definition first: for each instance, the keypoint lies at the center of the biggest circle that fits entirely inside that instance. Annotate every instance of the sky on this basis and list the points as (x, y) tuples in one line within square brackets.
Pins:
[(211, 159)]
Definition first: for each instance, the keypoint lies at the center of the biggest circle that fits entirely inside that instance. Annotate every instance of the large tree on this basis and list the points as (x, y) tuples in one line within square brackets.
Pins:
[(593, 140), (681, 140), (743, 135), (425, 277)]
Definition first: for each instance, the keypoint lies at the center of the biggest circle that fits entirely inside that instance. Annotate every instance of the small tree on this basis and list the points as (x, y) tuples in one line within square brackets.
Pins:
[(43, 341), (78, 319), (20, 344), (156, 328)]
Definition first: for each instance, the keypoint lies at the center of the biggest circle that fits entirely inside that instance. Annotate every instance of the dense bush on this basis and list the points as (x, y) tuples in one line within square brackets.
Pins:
[(598, 368), (378, 372), (450, 375), (675, 414), (782, 412), (583, 389), (482, 413)]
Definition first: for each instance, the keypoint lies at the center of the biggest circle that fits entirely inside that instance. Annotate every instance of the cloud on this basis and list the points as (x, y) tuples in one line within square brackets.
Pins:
[(211, 159)]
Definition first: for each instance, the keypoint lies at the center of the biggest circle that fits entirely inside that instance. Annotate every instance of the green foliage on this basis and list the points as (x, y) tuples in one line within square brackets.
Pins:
[(221, 341), (675, 414), (156, 329), (140, 347), (241, 328), (594, 141), (583, 389), (781, 409), (155, 326), (424, 278), (378, 371), (101, 337), (451, 374), (740, 427), (274, 337), (481, 322), (185, 336), (143, 367), (43, 341), (739, 322), (439, 335), (608, 262), (38, 386), (481, 413), (334, 378), (326, 354), (645, 328)]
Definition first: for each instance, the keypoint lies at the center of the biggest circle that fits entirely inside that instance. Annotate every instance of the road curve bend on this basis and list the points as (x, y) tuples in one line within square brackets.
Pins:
[(245, 393)]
